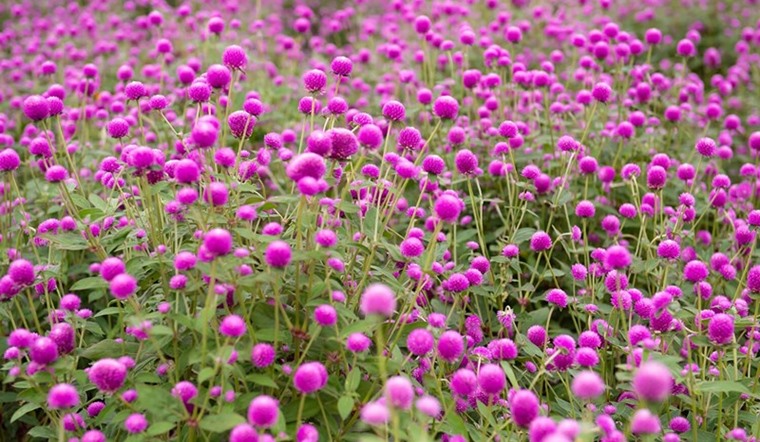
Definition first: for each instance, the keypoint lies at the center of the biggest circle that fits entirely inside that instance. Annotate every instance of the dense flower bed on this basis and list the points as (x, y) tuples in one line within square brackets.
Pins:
[(397, 220)]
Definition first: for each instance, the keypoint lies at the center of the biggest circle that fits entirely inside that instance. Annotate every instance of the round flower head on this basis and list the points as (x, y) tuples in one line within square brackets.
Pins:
[(466, 161), (491, 378), (394, 111), (232, 326), (244, 433), (370, 136), (587, 385), (680, 424), (241, 124), (310, 377), (585, 209), (644, 422), (524, 407), (135, 90), (21, 272), (378, 299), (62, 396), (43, 351), (56, 174), (263, 411), (107, 374), (235, 57), (721, 329), (448, 207), (685, 48), (199, 91), (652, 381), (450, 346), (358, 342), (123, 286), (706, 147), (540, 241), (36, 107), (375, 413), (420, 342), (343, 142), (314, 81), (411, 248), (307, 433), (602, 92), (185, 391), (446, 107), (399, 392), (617, 257), (262, 355), (9, 160), (753, 279), (218, 242), (557, 297), (117, 128), (186, 171), (656, 177), (278, 254), (135, 423), (695, 271), (218, 76), (341, 66), (93, 436), (668, 249), (325, 315), (306, 164)]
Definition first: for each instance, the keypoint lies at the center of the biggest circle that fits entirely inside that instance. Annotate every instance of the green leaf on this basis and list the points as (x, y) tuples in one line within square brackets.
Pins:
[(91, 283), (262, 379), (108, 311), (219, 423), (98, 202), (205, 374), (523, 235), (352, 380), (108, 348), (722, 387), (24, 409), (159, 428), (345, 406)]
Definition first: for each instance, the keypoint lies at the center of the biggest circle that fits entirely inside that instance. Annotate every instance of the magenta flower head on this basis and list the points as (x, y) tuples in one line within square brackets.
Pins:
[(43, 351), (117, 128), (235, 57), (656, 177), (602, 92), (263, 411), (232, 326), (204, 134), (123, 286), (62, 396), (420, 342), (524, 406), (446, 107), (358, 342), (108, 375), (378, 299), (278, 254), (184, 391), (36, 107), (218, 242), (450, 346), (343, 143), (244, 433), (585, 209), (310, 377), (341, 66), (653, 381), (644, 422), (587, 385), (325, 315), (685, 48), (307, 164), (617, 257), (557, 297), (218, 76), (314, 81), (695, 271), (262, 355), (399, 392), (375, 413), (56, 174), (466, 161), (491, 378), (540, 241), (135, 423), (241, 124), (394, 111), (720, 330), (9, 160), (448, 207), (706, 147), (21, 272), (135, 90), (753, 279), (668, 249)]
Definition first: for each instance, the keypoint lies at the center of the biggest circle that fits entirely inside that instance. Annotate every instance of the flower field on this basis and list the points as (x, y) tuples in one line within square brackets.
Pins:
[(454, 220)]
